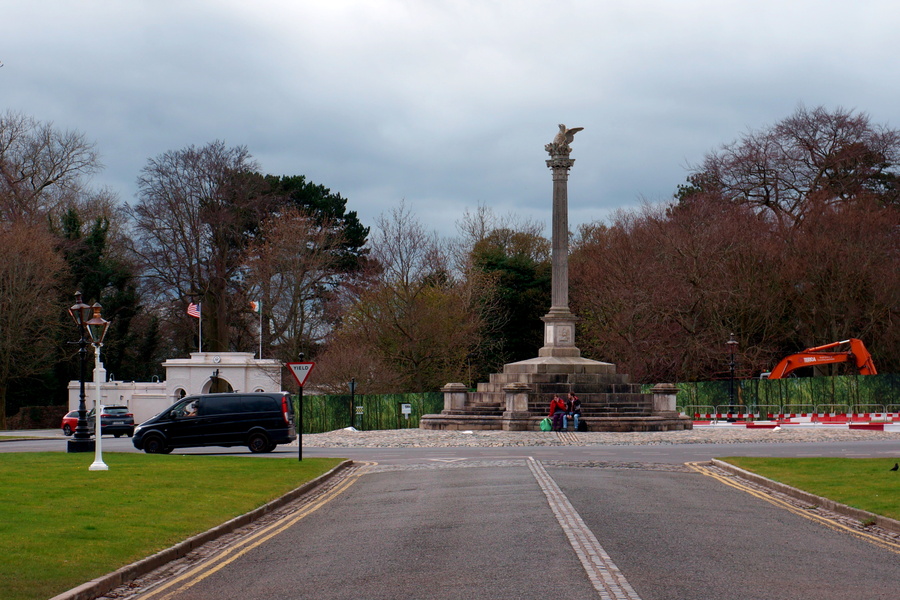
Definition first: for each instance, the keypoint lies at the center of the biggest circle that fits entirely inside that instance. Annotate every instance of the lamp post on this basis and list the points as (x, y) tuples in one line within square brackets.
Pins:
[(81, 441), (96, 328), (732, 346), (352, 385)]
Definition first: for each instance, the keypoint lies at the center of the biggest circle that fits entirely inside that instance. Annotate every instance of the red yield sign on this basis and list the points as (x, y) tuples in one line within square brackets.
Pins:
[(300, 371)]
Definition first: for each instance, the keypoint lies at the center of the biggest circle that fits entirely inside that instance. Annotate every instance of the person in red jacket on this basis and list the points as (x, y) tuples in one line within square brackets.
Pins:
[(557, 410)]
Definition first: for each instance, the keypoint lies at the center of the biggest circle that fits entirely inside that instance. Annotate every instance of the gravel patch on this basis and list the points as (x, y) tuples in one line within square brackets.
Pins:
[(421, 438)]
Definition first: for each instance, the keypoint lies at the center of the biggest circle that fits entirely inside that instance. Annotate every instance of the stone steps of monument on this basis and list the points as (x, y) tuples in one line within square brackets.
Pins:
[(600, 399), (603, 404), (479, 397), (611, 411), (576, 379), (600, 411), (585, 391), (635, 408), (604, 397), (561, 366), (548, 389), (486, 407), (611, 378)]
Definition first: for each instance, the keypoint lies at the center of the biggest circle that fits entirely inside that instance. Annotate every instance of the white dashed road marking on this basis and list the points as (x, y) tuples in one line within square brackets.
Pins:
[(603, 573)]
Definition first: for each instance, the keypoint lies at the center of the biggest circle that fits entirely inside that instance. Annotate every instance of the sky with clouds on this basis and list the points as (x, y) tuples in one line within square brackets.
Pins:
[(445, 104)]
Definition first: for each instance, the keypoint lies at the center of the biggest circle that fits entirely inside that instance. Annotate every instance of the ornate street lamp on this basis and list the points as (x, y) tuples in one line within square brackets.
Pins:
[(81, 441), (97, 325), (96, 328)]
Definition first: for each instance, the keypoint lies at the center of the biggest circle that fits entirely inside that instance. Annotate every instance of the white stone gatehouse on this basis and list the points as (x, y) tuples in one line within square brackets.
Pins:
[(203, 372)]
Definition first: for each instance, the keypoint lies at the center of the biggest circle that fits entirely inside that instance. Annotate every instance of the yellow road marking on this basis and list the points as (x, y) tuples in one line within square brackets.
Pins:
[(197, 574), (833, 525)]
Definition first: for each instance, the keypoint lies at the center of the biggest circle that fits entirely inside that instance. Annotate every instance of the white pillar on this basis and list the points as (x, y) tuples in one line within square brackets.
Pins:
[(99, 377)]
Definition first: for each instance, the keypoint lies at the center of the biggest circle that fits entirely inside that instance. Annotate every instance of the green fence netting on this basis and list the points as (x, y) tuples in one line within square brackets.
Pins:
[(847, 393), (841, 394), (327, 413)]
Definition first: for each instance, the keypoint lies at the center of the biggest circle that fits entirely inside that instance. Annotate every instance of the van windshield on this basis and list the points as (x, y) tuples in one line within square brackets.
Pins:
[(186, 409)]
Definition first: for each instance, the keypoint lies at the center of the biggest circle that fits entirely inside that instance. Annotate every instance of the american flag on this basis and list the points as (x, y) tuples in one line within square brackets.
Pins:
[(194, 310)]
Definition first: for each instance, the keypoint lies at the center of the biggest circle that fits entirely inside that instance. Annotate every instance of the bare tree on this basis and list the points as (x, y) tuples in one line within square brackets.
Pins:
[(41, 168), (515, 234), (346, 358), (661, 289), (29, 317), (198, 209), (844, 281), (505, 261), (292, 270), (416, 317), (813, 158)]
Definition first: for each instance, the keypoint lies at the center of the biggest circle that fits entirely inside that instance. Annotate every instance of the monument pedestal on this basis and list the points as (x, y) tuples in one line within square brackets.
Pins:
[(559, 334), (519, 398)]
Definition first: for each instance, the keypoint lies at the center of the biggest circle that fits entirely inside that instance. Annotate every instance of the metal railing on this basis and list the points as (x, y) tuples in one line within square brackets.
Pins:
[(819, 413)]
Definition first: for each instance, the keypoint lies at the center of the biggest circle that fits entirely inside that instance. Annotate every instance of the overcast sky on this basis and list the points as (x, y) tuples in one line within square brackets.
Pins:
[(444, 103)]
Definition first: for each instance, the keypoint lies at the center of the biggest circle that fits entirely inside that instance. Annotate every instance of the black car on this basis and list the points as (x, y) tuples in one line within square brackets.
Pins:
[(259, 421), (115, 420)]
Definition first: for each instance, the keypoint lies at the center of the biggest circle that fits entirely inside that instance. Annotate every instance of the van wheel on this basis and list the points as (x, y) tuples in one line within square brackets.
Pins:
[(153, 444), (259, 442)]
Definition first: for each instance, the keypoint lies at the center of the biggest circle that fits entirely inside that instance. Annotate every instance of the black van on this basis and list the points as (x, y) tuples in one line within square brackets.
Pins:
[(259, 421)]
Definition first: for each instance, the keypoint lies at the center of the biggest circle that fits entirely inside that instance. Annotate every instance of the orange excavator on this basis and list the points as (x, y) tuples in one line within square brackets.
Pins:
[(821, 355)]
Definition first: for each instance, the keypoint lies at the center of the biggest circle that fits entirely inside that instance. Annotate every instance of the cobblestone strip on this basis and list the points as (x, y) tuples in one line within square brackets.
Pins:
[(603, 574), (568, 437)]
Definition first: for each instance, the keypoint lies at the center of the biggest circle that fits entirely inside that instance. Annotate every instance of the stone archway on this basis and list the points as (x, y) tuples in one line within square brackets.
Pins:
[(216, 385)]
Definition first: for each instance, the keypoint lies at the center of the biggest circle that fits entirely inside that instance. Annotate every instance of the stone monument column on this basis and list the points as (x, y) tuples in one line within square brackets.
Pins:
[(559, 323)]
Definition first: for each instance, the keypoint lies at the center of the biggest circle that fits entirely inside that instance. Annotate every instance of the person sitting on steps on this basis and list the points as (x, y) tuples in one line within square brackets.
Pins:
[(557, 412), (573, 409)]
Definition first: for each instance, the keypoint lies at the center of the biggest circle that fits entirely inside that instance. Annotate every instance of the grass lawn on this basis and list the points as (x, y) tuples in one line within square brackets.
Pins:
[(62, 525), (863, 483)]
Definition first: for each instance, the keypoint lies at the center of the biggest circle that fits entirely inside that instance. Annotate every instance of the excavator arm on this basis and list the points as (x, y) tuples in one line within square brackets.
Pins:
[(820, 355)]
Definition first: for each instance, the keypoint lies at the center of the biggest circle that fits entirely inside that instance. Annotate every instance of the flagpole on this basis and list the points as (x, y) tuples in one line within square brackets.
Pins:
[(260, 330), (200, 327)]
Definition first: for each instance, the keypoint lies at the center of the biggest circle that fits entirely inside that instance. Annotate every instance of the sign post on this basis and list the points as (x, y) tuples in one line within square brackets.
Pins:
[(300, 371), (352, 385)]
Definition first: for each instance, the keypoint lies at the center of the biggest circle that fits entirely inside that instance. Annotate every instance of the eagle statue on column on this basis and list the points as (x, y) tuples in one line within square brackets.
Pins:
[(565, 136)]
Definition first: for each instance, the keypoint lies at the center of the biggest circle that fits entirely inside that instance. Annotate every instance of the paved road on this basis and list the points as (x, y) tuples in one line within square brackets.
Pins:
[(523, 530), (616, 521), (53, 441), (671, 454)]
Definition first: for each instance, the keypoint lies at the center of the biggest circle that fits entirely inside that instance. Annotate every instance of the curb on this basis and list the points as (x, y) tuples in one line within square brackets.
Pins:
[(842, 509), (99, 586)]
